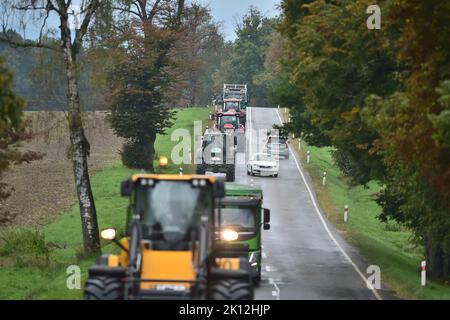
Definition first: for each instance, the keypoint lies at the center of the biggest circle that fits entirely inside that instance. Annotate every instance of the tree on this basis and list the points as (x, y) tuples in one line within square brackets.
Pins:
[(413, 129), (381, 98), (199, 53), (69, 46), (247, 60), (336, 68), (13, 131), (143, 80), (140, 84)]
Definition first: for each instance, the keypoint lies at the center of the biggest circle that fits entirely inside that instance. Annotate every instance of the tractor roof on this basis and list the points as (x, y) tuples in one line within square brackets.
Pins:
[(240, 201), (172, 177), (242, 190)]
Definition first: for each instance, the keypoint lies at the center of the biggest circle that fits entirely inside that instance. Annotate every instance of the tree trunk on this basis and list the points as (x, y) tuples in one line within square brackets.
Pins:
[(437, 263), (79, 152), (151, 149)]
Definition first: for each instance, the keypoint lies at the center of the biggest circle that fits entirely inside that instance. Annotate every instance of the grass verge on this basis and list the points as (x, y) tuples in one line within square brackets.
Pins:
[(387, 245), (33, 262)]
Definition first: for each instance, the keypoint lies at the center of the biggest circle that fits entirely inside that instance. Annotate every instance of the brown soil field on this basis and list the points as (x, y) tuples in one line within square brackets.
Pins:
[(45, 188)]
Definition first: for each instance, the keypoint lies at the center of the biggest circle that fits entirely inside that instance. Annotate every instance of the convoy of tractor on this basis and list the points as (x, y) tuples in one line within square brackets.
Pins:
[(189, 236)]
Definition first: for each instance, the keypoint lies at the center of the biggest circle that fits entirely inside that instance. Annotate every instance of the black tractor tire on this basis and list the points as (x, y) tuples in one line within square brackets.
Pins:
[(103, 288), (231, 290), (231, 174), (257, 277)]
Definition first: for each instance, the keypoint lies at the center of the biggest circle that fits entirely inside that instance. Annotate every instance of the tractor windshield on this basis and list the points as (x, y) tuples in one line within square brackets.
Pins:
[(228, 122), (231, 105), (170, 209), (241, 217)]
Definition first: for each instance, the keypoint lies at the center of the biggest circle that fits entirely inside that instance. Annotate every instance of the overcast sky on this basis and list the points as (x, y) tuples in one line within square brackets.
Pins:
[(227, 11)]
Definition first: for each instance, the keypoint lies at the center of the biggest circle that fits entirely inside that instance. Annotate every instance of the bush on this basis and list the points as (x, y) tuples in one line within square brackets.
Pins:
[(137, 155), (25, 247)]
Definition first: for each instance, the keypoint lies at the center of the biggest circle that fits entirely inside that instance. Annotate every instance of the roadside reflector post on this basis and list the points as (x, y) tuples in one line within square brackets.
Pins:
[(293, 136), (289, 119), (308, 156), (181, 171), (278, 106), (324, 179), (423, 274), (299, 143), (346, 213)]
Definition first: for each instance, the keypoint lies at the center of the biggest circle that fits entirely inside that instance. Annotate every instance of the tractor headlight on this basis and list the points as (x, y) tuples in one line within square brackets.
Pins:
[(108, 234), (230, 235)]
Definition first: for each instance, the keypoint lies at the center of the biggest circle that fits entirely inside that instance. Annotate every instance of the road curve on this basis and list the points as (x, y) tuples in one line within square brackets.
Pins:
[(301, 258)]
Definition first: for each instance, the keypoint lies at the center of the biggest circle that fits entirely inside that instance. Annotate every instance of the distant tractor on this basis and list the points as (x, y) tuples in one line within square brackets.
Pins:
[(171, 249), (235, 105), (217, 154), (231, 123), (236, 91)]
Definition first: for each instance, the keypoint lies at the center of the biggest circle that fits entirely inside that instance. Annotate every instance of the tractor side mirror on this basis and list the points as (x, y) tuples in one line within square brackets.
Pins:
[(126, 188), (266, 219), (219, 189)]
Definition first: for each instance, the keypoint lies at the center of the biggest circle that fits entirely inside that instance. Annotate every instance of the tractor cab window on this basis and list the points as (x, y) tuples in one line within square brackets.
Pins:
[(170, 210), (228, 122), (238, 217), (231, 105), (214, 140)]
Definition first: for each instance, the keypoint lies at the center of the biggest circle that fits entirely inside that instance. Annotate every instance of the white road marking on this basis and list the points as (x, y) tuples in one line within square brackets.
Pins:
[(249, 118), (264, 255), (277, 291), (374, 291)]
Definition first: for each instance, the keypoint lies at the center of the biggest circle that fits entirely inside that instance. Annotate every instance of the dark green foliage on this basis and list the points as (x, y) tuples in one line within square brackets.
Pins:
[(137, 155), (141, 84)]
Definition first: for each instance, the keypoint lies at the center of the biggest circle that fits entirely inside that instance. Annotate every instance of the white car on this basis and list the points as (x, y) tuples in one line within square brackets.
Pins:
[(262, 164)]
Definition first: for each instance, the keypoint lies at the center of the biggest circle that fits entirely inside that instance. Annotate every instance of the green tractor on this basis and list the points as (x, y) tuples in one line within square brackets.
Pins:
[(242, 217)]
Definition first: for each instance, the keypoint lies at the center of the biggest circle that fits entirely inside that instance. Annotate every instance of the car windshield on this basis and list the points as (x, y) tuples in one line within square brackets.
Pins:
[(262, 157), (238, 216), (171, 208)]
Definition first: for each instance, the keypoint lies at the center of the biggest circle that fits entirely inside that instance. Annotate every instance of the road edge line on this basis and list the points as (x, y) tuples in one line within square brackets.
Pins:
[(316, 207)]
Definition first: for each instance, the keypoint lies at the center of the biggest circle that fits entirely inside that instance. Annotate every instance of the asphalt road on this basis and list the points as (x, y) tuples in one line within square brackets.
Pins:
[(304, 257)]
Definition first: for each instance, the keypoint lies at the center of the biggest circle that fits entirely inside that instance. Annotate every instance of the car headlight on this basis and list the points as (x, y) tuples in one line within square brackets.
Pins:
[(230, 235), (254, 258)]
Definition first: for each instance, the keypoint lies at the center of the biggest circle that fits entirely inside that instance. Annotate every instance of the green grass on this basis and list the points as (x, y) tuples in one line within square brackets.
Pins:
[(387, 245), (34, 262)]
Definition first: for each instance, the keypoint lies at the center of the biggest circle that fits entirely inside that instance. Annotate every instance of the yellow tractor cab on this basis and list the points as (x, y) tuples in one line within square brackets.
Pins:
[(170, 250)]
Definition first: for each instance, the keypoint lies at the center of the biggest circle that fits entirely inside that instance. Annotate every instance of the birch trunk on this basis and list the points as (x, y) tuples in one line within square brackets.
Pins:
[(79, 146)]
